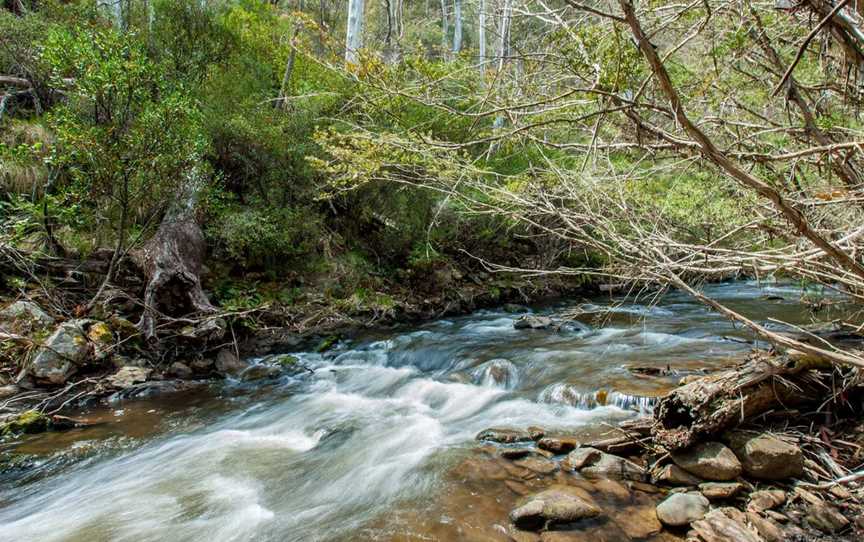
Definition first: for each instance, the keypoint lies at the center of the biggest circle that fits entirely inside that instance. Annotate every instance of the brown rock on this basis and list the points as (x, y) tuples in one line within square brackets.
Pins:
[(767, 528), (826, 518), (724, 525), (558, 504), (557, 445), (536, 432), (580, 457), (766, 500), (709, 460), (766, 457), (674, 475), (537, 464), (716, 491)]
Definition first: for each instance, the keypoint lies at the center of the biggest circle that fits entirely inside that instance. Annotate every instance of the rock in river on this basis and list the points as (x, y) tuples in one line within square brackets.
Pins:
[(766, 457), (682, 509), (504, 436), (558, 504), (709, 460), (530, 321)]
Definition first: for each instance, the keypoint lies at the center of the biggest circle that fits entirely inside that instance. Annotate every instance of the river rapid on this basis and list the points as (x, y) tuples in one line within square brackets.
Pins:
[(364, 447)]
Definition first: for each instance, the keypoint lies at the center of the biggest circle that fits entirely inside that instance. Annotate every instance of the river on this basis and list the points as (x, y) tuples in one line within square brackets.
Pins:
[(365, 447)]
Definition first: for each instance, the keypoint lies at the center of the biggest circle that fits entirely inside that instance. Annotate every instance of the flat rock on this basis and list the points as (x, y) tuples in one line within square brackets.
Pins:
[(674, 475), (503, 436), (718, 491), (682, 509), (709, 460), (766, 457), (128, 376), (558, 504), (766, 499), (540, 465)]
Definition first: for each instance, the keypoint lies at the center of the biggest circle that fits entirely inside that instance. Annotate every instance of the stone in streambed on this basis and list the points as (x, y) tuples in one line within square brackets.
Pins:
[(558, 445), (28, 422), (581, 457), (593, 463), (674, 475), (682, 509), (709, 460), (718, 491), (530, 321), (503, 436), (766, 457), (558, 504)]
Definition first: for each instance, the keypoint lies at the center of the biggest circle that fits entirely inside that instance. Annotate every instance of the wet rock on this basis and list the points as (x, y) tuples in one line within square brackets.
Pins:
[(724, 525), (638, 523), (515, 453), (709, 460), (503, 436), (674, 475), (62, 353), (581, 457), (228, 363), (180, 370), (826, 518), (558, 504), (718, 491), (766, 457), (597, 464), (128, 376), (766, 500), (536, 432), (557, 445), (260, 372), (24, 317), (496, 373), (539, 465), (28, 422), (513, 308), (530, 321), (682, 509), (154, 388)]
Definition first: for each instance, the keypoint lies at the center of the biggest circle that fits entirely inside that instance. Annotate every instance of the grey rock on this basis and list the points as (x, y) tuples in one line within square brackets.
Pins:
[(260, 372), (24, 317), (682, 509), (62, 354), (530, 321), (558, 504), (128, 376), (581, 457), (180, 370), (228, 363), (766, 457), (709, 460), (612, 466), (503, 436)]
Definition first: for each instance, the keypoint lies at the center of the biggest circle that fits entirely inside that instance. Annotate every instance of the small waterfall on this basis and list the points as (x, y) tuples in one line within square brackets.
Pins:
[(496, 373), (567, 394)]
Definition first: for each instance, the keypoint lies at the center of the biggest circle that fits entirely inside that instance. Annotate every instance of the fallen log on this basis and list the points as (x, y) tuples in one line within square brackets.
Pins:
[(718, 402)]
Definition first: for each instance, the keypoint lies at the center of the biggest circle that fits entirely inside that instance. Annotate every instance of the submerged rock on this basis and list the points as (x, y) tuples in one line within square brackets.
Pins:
[(496, 373), (558, 504), (709, 460), (503, 436), (682, 509), (766, 457), (530, 321)]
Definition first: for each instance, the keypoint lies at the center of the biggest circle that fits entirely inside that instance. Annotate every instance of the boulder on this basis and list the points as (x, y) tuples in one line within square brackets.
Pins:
[(127, 377), (29, 422), (228, 363), (62, 354), (709, 460), (674, 475), (24, 317), (766, 457), (558, 504), (530, 321), (718, 491), (682, 509), (260, 371), (503, 436)]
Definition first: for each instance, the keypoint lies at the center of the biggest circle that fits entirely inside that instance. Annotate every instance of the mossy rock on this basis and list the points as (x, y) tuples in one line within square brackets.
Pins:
[(286, 360), (28, 422), (327, 343)]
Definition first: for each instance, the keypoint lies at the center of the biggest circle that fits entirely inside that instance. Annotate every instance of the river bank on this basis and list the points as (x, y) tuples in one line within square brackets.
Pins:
[(280, 458)]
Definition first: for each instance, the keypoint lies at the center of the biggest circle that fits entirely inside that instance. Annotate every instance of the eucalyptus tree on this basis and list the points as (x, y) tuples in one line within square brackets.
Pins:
[(354, 32)]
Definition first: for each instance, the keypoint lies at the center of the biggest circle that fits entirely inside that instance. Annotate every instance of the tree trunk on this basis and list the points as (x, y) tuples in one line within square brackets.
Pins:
[(353, 35), (172, 262), (445, 25), (457, 26), (481, 38)]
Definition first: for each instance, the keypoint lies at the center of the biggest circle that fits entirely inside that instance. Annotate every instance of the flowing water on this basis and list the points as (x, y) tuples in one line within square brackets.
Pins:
[(368, 443)]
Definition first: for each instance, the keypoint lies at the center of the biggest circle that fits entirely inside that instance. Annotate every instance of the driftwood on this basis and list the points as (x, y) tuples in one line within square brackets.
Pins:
[(715, 403)]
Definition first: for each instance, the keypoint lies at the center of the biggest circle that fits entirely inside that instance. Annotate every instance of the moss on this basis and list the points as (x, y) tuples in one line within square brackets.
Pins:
[(327, 343), (100, 333), (29, 422), (286, 360)]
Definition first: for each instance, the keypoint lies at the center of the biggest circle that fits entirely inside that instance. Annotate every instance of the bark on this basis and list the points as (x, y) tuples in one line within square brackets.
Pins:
[(481, 38), (353, 35), (445, 25), (172, 262), (457, 26), (716, 403)]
